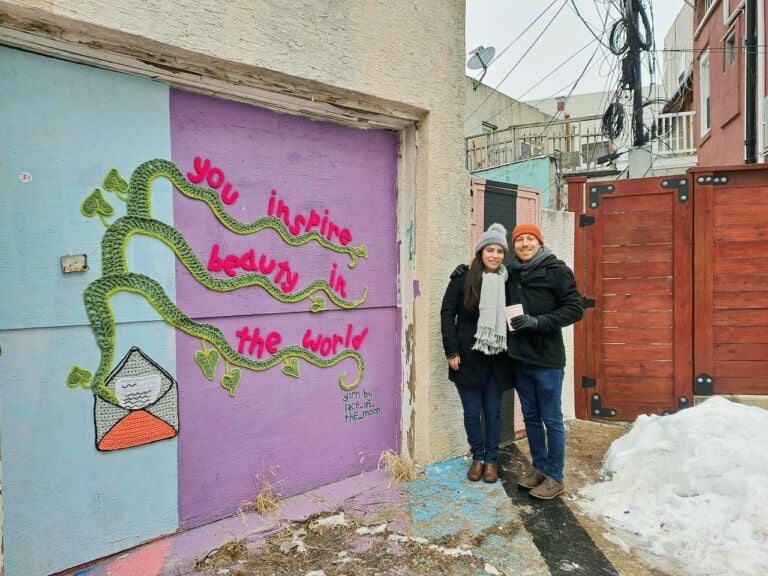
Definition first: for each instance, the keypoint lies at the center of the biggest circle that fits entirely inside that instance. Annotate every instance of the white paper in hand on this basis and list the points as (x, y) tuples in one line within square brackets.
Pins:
[(512, 311)]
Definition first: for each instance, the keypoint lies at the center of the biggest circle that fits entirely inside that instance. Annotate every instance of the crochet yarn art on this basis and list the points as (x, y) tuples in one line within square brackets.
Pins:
[(116, 277), (147, 408)]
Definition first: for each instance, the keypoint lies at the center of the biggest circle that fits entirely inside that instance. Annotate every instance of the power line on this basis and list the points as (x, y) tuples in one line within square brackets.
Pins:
[(576, 9), (541, 34), (579, 51), (523, 32)]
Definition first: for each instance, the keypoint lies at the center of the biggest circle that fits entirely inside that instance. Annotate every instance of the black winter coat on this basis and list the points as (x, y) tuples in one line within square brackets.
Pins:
[(458, 326), (548, 291)]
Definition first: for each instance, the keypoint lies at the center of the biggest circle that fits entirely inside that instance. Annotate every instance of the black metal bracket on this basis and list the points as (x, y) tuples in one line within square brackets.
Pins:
[(595, 190), (712, 180), (587, 302), (587, 382), (585, 220), (682, 185), (597, 410), (704, 385), (682, 403)]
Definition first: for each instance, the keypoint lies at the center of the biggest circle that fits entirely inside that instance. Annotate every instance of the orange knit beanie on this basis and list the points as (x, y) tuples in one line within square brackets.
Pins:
[(527, 228)]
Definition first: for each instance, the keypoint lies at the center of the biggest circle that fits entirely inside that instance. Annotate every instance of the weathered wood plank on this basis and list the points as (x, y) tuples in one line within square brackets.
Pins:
[(660, 285), (638, 352)]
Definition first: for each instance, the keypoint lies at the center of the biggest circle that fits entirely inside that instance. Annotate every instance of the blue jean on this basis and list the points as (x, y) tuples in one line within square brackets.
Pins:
[(540, 392), (485, 401)]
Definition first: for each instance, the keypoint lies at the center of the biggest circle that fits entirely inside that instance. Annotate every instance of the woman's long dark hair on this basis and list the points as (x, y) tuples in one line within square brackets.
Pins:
[(472, 283)]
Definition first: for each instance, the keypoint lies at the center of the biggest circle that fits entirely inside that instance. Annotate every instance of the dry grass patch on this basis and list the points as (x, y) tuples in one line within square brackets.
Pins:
[(401, 468), (268, 499)]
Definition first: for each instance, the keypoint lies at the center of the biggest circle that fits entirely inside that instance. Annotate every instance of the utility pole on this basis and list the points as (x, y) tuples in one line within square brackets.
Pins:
[(639, 156), (633, 33)]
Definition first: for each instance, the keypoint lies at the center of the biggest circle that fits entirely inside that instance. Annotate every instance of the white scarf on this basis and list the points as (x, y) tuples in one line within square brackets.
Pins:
[(491, 336)]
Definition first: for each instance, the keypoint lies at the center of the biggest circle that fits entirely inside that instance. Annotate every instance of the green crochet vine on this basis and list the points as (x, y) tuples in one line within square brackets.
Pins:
[(113, 261), (99, 312), (139, 205), (116, 278)]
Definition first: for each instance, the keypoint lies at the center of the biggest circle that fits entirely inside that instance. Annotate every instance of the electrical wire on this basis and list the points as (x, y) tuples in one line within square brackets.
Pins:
[(576, 83), (571, 57), (541, 34), (523, 32), (576, 9)]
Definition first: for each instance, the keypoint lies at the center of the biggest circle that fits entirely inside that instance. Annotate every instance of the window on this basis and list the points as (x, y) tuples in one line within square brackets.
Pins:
[(704, 91), (708, 5), (730, 49)]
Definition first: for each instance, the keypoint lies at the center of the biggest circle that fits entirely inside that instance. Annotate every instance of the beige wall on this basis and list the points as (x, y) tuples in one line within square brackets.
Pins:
[(484, 104), (368, 63)]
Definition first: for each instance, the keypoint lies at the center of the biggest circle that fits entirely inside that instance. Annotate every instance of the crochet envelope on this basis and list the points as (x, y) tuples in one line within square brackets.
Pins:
[(147, 408)]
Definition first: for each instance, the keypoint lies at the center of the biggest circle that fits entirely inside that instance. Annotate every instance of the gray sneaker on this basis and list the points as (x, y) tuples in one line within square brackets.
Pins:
[(548, 489), (531, 479)]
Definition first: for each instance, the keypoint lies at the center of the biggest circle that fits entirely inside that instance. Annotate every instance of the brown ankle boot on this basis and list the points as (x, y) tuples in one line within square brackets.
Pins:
[(490, 473), (475, 471)]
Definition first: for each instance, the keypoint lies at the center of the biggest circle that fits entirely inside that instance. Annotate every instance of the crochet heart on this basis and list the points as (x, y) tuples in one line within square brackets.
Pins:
[(291, 367), (318, 304), (208, 360), (114, 182), (78, 376), (231, 380), (95, 203)]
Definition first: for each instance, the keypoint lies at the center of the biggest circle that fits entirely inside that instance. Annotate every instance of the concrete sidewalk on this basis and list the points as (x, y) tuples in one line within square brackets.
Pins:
[(520, 535)]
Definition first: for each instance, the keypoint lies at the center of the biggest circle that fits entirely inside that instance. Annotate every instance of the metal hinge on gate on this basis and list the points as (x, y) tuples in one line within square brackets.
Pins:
[(595, 190), (587, 382), (585, 220), (587, 302), (682, 185), (703, 385), (597, 410)]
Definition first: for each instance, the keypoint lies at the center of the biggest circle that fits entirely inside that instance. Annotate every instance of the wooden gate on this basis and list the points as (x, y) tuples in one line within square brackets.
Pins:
[(674, 274)]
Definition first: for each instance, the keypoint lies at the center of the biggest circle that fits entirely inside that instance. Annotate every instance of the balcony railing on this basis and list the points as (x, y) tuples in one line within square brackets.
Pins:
[(575, 144)]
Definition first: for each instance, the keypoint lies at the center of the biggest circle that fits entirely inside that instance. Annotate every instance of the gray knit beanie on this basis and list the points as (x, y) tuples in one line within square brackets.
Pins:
[(496, 234)]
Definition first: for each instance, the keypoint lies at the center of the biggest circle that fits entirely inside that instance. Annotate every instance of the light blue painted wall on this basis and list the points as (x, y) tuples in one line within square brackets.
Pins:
[(533, 173), (67, 125), (65, 503)]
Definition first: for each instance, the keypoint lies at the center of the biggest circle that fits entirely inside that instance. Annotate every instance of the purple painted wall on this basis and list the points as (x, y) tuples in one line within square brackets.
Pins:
[(300, 432)]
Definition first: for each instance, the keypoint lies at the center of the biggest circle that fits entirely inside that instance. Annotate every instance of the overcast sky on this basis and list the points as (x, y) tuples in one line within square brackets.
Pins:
[(522, 62)]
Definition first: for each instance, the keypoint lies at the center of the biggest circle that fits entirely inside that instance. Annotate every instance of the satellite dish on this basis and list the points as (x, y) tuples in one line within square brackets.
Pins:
[(480, 57)]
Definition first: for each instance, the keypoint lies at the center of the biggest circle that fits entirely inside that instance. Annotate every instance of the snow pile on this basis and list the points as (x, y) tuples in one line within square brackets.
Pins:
[(689, 491)]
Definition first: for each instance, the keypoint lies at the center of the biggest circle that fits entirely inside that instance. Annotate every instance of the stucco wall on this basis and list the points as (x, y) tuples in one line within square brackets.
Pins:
[(557, 229), (371, 59), (382, 64)]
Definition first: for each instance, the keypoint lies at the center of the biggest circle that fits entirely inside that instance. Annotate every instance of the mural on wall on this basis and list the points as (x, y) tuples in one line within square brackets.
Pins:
[(278, 279), (197, 452), (147, 407)]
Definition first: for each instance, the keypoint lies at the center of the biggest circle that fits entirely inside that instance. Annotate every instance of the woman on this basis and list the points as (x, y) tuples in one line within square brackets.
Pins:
[(475, 341), (546, 288)]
